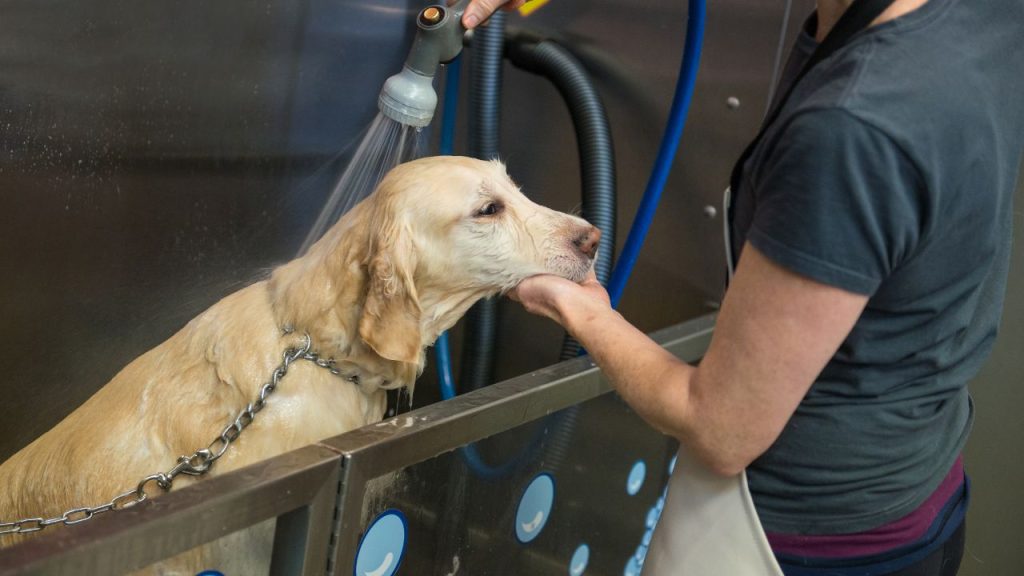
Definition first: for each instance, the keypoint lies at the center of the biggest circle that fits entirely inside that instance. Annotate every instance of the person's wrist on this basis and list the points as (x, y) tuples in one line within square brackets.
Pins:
[(577, 315), (559, 303)]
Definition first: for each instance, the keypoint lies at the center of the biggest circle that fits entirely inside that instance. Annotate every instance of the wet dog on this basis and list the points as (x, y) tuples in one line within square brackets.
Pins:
[(401, 267)]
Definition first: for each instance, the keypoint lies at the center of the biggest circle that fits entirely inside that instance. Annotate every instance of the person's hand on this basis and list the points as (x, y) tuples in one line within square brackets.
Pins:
[(480, 10), (561, 300)]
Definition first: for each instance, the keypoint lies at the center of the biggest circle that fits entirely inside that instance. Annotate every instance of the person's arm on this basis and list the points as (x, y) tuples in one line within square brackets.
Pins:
[(774, 334), (480, 10)]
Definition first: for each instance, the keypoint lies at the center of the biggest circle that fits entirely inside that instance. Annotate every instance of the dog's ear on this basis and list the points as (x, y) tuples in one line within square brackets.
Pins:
[(390, 322)]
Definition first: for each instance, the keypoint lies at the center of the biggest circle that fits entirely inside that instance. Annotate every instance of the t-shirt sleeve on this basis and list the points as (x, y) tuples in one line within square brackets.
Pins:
[(836, 201)]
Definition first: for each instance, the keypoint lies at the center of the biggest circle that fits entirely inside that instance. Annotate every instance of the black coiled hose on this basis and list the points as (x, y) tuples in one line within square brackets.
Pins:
[(593, 139), (485, 88), (593, 136)]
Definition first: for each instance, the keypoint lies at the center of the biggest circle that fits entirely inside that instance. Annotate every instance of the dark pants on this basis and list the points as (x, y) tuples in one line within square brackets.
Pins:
[(944, 561)]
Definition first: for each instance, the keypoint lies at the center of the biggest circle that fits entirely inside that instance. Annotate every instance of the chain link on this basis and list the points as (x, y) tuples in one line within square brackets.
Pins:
[(195, 464)]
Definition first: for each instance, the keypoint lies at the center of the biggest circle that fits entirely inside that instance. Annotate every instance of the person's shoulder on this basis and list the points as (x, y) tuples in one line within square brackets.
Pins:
[(830, 130), (950, 59)]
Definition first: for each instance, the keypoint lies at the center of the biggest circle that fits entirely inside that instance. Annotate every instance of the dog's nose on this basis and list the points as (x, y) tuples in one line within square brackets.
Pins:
[(586, 241)]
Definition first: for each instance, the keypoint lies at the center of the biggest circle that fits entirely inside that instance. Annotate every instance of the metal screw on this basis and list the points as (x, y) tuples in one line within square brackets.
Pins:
[(710, 211), (732, 102)]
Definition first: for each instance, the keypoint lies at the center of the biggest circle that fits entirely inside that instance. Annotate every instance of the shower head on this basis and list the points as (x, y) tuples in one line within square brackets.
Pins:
[(408, 97)]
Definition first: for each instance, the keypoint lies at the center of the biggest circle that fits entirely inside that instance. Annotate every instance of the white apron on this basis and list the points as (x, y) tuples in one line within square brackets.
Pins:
[(708, 527)]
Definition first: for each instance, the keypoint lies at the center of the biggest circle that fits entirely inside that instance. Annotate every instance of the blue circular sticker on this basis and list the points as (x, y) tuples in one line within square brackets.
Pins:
[(636, 478), (640, 554), (383, 546), (652, 517), (579, 560), (210, 573), (535, 507), (632, 567)]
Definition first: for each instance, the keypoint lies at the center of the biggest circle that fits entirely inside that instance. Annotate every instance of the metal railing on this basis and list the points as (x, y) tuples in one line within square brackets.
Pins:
[(317, 493)]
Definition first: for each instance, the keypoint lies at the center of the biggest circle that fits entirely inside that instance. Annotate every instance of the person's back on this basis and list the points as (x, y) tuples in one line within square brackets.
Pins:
[(890, 172)]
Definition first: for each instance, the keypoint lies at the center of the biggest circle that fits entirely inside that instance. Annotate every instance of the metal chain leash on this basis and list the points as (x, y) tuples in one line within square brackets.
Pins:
[(196, 464)]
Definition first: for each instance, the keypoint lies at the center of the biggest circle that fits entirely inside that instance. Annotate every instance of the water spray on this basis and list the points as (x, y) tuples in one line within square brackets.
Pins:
[(409, 97)]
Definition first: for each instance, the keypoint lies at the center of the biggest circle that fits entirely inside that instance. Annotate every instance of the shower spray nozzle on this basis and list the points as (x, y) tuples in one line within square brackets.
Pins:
[(408, 97)]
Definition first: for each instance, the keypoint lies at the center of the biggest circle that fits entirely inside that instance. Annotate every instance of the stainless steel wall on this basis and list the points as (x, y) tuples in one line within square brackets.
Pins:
[(153, 158)]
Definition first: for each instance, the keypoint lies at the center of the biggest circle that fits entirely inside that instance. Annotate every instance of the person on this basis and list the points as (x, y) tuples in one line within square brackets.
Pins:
[(871, 228)]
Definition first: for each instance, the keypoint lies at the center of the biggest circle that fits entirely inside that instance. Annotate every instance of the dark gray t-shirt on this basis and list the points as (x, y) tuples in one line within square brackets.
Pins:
[(890, 173)]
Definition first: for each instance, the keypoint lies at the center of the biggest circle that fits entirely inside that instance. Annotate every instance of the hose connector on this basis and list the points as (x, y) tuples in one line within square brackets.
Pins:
[(409, 97)]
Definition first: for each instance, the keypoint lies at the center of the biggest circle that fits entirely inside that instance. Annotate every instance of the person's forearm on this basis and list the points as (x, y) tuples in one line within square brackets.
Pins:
[(660, 388), (651, 380), (774, 334)]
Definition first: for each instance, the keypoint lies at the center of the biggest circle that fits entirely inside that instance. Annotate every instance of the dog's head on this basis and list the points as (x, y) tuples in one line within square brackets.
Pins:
[(447, 231)]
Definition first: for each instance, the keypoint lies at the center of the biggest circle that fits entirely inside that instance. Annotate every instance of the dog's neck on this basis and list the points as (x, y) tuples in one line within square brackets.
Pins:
[(323, 293), (442, 309)]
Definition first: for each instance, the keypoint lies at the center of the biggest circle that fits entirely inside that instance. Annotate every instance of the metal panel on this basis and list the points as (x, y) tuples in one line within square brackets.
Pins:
[(302, 488), (395, 444), (302, 537), (129, 539), (462, 520)]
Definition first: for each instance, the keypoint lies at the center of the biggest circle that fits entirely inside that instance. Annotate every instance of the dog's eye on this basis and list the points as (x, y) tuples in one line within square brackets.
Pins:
[(490, 209)]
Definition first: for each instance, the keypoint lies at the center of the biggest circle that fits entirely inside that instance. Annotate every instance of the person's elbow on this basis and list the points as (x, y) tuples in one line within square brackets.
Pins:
[(726, 451), (728, 465), (727, 437)]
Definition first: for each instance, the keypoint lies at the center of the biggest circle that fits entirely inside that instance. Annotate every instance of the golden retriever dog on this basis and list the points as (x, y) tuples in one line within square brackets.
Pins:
[(401, 267)]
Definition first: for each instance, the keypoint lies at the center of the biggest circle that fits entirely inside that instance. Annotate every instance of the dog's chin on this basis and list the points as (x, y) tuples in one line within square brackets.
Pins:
[(572, 268), (579, 274)]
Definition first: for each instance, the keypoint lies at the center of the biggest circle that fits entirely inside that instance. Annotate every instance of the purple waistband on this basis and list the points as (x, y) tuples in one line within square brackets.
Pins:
[(900, 532)]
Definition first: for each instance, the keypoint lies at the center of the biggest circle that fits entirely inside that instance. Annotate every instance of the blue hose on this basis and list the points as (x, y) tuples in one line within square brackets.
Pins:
[(469, 453), (666, 152)]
